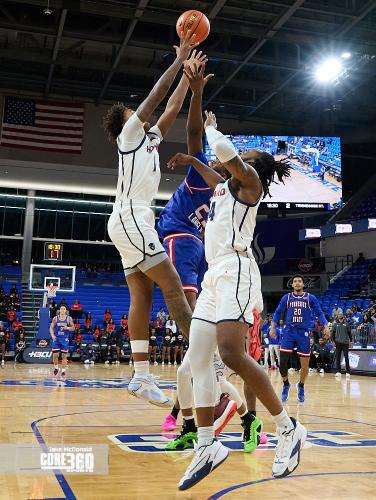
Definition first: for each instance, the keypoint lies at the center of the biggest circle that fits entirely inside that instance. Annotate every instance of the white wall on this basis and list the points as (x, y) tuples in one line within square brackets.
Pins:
[(351, 244)]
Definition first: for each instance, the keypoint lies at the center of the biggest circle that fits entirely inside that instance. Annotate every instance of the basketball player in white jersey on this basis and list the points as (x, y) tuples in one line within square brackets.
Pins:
[(131, 225), (231, 290)]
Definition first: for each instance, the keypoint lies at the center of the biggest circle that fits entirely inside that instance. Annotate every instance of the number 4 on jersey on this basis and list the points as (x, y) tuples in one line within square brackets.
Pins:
[(211, 211)]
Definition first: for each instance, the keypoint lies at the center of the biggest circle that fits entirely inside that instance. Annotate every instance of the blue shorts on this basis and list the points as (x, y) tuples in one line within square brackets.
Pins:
[(187, 253), (296, 338), (60, 344)]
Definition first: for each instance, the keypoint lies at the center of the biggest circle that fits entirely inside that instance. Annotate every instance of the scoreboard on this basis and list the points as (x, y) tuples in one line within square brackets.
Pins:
[(53, 251)]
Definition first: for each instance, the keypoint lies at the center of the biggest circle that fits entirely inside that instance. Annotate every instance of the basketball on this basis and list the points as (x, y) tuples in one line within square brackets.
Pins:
[(195, 21)]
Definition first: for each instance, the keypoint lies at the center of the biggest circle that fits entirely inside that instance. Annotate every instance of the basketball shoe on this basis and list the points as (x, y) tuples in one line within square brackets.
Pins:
[(287, 454), (169, 423), (300, 395), (285, 392), (187, 438), (146, 388), (206, 459), (251, 434)]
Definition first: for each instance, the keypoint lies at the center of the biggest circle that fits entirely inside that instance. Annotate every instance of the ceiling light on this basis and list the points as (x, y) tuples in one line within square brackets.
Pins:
[(346, 55), (328, 70)]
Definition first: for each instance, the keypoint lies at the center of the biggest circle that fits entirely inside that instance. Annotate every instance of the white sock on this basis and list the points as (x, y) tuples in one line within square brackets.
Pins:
[(283, 420), (205, 435), (141, 368)]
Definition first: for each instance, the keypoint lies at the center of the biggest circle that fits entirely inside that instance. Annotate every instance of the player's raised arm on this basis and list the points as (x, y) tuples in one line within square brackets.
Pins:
[(176, 100), (160, 89), (195, 124), (210, 176)]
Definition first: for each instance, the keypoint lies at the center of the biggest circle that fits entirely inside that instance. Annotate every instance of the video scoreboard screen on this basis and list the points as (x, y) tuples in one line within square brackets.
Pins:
[(316, 173)]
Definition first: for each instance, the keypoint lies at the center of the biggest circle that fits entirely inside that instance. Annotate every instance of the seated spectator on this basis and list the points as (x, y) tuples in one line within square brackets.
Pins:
[(11, 316), (15, 301), (20, 347), (360, 258), (356, 317), (336, 310), (96, 333), (3, 342), (77, 326), (88, 355), (158, 325), (107, 316), (119, 336), (104, 337), (162, 315), (18, 332), (16, 325), (88, 322), (76, 309), (63, 302), (13, 289), (109, 355), (3, 309), (78, 342), (124, 322), (111, 326), (7, 339), (171, 325)]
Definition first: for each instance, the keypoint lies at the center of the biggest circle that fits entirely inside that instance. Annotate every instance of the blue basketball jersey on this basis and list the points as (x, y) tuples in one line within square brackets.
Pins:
[(299, 310), (60, 326), (187, 210)]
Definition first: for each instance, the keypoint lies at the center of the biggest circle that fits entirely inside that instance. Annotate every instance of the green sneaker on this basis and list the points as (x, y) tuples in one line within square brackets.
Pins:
[(251, 435), (182, 442)]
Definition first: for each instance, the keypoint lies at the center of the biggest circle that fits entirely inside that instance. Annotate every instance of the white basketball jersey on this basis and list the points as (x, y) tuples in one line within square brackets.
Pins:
[(139, 172), (230, 225)]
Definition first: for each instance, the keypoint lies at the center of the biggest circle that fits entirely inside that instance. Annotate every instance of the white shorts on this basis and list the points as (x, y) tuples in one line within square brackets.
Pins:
[(131, 229), (231, 290)]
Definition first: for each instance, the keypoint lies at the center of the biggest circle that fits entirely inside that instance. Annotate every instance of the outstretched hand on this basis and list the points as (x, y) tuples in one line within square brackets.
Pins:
[(179, 159), (187, 43), (197, 58), (195, 75), (211, 120)]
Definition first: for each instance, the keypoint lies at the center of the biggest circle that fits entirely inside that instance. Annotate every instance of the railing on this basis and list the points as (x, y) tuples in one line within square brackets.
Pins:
[(364, 334)]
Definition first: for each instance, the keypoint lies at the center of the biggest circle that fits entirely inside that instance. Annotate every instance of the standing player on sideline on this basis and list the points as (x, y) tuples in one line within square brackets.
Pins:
[(182, 225), (231, 290), (60, 327), (131, 225), (299, 306)]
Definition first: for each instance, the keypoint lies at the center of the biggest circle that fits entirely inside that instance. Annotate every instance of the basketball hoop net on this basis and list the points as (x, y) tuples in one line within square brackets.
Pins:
[(51, 291)]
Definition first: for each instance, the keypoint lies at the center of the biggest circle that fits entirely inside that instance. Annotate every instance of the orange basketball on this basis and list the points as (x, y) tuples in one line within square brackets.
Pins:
[(195, 21)]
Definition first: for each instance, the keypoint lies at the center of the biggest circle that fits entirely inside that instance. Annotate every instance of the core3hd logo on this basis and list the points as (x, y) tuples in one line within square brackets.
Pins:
[(156, 443)]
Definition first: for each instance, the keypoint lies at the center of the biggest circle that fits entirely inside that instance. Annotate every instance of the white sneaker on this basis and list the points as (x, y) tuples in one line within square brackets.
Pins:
[(175, 363), (162, 363), (311, 370), (2, 362), (206, 459), (291, 370), (169, 363), (130, 362), (347, 376), (287, 454), (338, 374), (155, 363), (146, 388), (92, 362), (322, 370), (87, 361)]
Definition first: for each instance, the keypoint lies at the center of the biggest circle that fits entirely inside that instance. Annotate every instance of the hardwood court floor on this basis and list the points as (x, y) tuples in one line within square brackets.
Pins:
[(339, 460)]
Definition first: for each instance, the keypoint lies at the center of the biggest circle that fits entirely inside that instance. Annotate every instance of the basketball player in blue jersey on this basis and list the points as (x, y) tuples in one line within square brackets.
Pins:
[(181, 225), (131, 226), (231, 291), (60, 327), (300, 307)]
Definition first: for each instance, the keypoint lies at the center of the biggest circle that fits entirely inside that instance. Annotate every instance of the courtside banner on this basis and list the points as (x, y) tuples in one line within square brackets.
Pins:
[(62, 458), (38, 355)]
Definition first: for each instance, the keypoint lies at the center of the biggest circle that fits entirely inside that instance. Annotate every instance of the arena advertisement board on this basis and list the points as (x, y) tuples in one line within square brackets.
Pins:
[(38, 355), (316, 171), (310, 283), (361, 360)]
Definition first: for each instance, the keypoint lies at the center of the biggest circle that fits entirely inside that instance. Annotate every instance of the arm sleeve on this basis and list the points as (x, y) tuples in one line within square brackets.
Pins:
[(193, 178), (281, 307), (131, 134), (317, 309)]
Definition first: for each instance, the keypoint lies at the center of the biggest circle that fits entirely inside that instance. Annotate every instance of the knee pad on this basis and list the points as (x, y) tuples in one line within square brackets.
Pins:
[(283, 364)]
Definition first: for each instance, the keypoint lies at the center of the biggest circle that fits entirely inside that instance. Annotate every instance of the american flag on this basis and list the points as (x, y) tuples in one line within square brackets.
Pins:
[(42, 125)]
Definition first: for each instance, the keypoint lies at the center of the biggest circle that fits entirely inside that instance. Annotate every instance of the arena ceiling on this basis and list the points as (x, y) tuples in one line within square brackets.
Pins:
[(263, 53)]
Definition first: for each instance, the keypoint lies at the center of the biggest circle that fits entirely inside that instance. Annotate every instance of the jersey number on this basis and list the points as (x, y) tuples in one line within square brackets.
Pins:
[(211, 211)]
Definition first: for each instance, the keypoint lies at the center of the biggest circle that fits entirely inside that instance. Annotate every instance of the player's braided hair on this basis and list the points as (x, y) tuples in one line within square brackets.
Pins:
[(114, 120), (268, 168)]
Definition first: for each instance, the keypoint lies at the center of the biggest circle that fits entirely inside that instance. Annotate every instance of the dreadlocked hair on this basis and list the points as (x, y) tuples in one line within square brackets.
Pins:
[(114, 120), (268, 168)]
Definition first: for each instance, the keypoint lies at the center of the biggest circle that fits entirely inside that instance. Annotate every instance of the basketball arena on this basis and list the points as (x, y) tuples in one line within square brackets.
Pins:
[(187, 249)]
